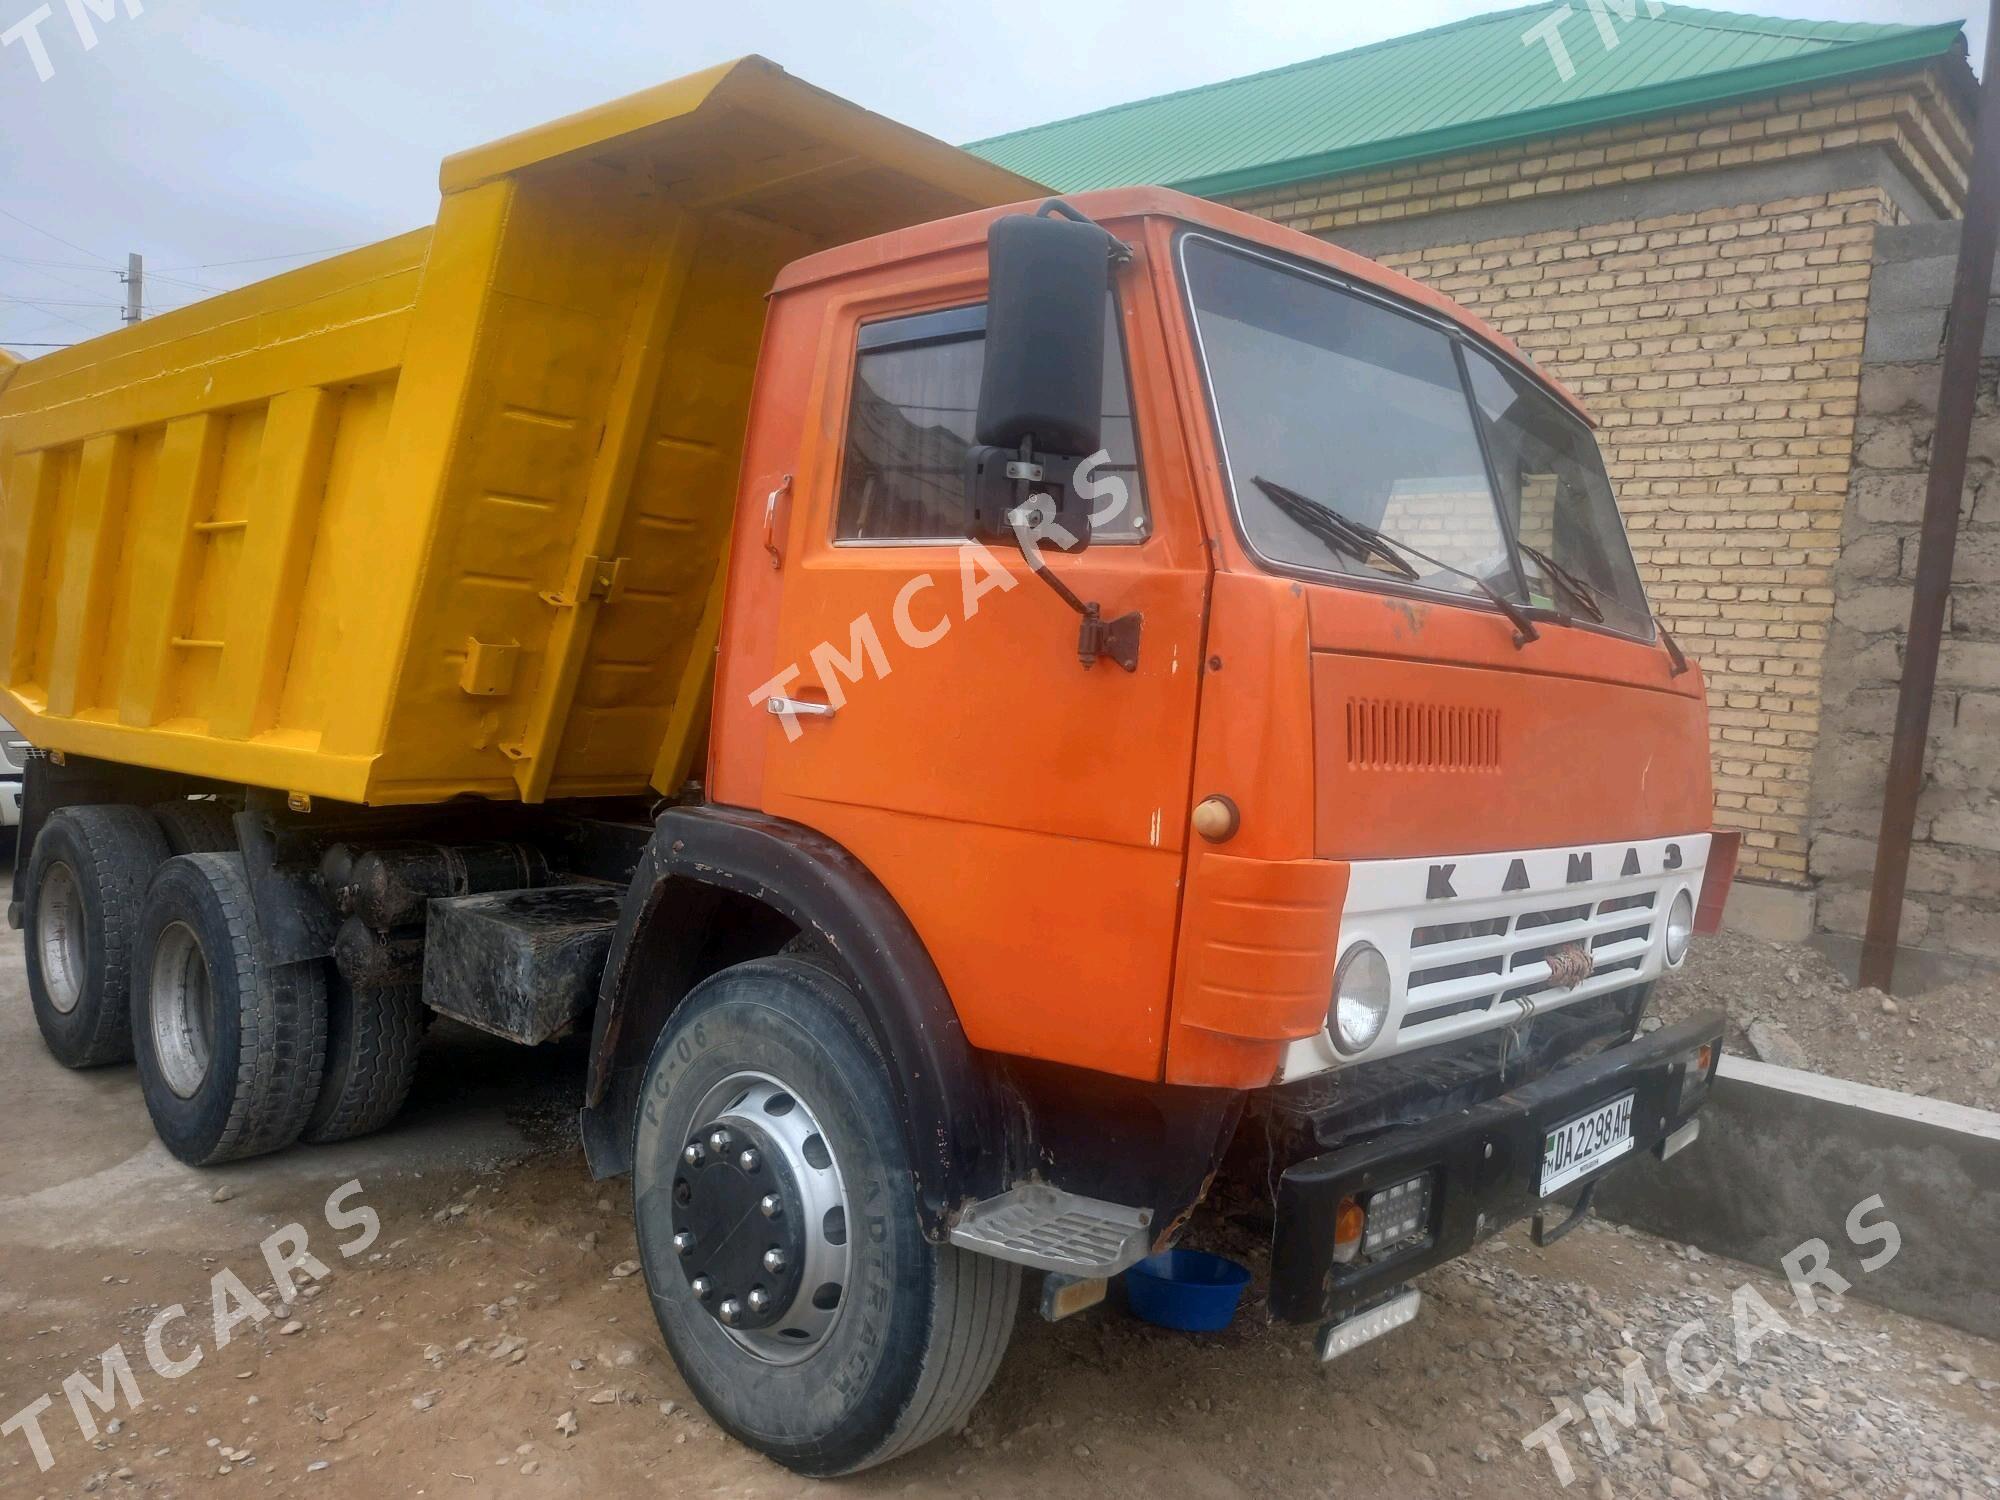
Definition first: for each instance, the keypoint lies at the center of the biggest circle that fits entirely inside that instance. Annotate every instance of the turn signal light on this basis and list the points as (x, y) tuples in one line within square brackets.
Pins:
[(1216, 819), (1349, 1222), (1696, 1067)]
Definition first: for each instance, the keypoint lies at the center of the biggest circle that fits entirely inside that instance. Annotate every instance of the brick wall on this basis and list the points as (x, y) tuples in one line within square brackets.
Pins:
[(1719, 346), (1953, 901)]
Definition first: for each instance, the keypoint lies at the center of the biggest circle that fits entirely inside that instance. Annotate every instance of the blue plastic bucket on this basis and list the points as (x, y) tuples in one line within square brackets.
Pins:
[(1186, 1289)]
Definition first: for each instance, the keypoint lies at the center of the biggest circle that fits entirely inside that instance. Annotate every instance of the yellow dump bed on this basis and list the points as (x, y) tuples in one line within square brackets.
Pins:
[(444, 515)]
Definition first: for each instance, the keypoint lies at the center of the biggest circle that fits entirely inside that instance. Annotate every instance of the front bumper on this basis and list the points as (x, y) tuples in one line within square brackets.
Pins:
[(1485, 1166)]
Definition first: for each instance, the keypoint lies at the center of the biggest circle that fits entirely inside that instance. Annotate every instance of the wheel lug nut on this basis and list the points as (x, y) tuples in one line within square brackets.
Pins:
[(694, 1154), (771, 1205), (719, 1142), (703, 1288), (759, 1299), (684, 1242), (730, 1310), (774, 1260), (749, 1161)]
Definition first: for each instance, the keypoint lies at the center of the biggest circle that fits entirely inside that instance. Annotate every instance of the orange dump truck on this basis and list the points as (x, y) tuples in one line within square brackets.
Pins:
[(966, 698)]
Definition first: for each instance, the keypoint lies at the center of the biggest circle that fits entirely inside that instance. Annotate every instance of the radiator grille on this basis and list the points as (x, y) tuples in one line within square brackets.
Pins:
[(1389, 734), (1457, 967)]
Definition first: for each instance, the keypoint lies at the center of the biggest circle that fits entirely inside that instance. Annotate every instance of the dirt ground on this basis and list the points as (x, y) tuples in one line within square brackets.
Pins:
[(1790, 1006), (496, 1309)]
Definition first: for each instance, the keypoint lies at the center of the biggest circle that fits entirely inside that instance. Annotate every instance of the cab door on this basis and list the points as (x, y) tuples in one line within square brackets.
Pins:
[(1028, 811)]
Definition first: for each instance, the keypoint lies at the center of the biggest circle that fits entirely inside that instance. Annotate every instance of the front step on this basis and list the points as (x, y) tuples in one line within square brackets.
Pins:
[(1048, 1229)]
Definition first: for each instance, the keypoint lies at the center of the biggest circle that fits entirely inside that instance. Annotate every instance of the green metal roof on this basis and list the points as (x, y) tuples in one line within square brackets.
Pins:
[(1475, 83)]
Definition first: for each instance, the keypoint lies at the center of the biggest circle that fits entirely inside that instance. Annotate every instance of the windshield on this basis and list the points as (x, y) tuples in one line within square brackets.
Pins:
[(1339, 397), (1558, 500)]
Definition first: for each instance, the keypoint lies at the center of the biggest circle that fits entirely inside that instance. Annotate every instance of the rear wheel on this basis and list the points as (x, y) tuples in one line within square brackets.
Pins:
[(87, 876), (373, 1035), (196, 827), (778, 1228), (231, 1050)]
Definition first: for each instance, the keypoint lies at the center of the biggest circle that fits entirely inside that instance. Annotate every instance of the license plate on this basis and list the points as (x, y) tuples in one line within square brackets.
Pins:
[(1586, 1143)]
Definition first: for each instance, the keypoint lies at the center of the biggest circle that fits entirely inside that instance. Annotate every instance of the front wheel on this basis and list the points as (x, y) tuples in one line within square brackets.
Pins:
[(778, 1228)]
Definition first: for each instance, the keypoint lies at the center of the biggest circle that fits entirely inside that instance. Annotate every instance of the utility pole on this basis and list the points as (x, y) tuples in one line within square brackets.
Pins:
[(135, 287), (1937, 542)]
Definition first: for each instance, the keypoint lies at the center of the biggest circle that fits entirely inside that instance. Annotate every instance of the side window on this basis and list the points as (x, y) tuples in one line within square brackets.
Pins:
[(916, 394)]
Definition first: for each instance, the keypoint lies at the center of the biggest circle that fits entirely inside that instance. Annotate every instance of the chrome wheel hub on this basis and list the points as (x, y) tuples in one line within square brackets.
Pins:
[(183, 1009), (760, 1218), (59, 925)]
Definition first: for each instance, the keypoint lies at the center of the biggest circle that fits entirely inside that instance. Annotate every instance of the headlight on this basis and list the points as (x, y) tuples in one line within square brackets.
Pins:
[(1680, 928), (1360, 998)]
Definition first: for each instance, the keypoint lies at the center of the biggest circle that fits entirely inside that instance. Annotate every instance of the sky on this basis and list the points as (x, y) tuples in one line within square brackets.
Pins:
[(226, 140)]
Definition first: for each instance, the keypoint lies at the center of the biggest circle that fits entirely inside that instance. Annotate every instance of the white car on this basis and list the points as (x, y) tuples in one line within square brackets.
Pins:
[(13, 765)]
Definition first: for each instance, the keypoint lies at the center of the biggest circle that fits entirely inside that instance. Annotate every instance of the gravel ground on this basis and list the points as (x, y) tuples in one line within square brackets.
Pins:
[(1839, 1403), (494, 1339), (1789, 1006)]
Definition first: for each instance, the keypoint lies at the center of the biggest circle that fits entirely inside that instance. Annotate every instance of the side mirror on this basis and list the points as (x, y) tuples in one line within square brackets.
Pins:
[(1041, 402), (1043, 381), (1041, 391)]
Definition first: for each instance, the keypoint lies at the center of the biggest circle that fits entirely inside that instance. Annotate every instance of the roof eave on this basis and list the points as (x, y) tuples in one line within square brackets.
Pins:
[(1928, 44)]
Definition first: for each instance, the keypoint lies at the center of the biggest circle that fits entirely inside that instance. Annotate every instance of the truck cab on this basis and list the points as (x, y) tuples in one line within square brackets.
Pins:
[(1398, 801), (1440, 757)]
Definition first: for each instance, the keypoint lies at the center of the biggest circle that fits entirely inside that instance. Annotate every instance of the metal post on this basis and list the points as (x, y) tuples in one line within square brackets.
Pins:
[(1958, 384), (135, 287)]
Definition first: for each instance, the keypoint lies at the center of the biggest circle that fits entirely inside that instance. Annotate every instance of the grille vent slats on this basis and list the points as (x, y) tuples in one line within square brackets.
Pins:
[(1463, 966), (1393, 734)]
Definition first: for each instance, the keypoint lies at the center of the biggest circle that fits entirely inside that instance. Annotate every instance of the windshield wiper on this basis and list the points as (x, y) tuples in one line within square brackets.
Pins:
[(1366, 544), (1674, 653), (1359, 541), (1581, 594)]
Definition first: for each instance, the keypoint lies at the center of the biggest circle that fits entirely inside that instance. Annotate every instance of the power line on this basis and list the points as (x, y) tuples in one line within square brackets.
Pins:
[(259, 260), (200, 286), (25, 344), (60, 265), (4, 213), (75, 286), (73, 322)]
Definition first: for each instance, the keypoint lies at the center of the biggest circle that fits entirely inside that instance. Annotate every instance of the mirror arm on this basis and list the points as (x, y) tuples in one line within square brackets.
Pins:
[(1097, 636), (1121, 253)]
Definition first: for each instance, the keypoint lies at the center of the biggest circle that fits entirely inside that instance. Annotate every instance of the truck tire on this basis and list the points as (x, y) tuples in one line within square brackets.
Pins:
[(87, 875), (373, 1035), (231, 1050), (767, 1116), (196, 827)]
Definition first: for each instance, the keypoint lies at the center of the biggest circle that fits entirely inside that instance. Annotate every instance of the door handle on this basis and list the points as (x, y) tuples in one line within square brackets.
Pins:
[(801, 708), (774, 522)]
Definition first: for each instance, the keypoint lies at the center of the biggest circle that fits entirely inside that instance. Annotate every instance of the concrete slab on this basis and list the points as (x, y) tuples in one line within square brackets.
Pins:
[(1785, 1157), (1917, 969), (1775, 913)]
